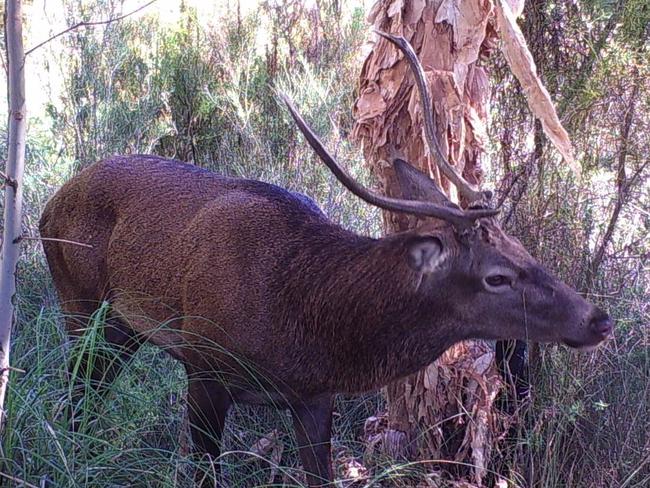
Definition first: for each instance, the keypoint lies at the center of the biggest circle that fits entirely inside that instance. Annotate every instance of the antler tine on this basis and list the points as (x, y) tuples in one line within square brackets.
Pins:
[(459, 218), (467, 190)]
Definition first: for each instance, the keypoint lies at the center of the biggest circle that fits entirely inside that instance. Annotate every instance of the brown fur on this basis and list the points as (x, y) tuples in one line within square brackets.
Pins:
[(263, 298)]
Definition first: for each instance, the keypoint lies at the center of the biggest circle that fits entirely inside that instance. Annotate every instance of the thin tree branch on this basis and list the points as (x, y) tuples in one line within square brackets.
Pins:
[(65, 241), (13, 195), (622, 182), (11, 368), (89, 24), (17, 480)]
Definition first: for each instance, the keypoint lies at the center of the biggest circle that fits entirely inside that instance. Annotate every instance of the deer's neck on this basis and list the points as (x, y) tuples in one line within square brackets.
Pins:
[(369, 308)]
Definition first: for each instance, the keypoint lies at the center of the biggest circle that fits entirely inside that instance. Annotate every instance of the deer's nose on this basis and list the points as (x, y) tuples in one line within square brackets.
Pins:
[(601, 324)]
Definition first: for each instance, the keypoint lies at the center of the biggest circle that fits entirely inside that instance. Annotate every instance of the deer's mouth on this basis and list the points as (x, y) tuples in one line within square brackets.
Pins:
[(598, 329), (584, 346)]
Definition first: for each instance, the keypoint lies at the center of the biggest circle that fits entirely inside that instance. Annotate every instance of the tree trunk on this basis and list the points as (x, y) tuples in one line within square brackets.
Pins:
[(444, 411), (13, 184)]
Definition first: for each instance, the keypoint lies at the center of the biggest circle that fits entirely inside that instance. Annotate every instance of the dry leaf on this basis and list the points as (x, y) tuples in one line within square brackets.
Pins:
[(353, 470), (270, 448), (522, 65)]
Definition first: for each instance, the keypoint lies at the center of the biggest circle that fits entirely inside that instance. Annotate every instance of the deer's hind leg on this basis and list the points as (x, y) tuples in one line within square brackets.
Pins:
[(312, 420), (208, 405)]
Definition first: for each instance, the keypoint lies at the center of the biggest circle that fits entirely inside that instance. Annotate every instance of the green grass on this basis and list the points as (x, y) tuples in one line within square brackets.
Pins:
[(137, 430), (588, 424), (589, 419)]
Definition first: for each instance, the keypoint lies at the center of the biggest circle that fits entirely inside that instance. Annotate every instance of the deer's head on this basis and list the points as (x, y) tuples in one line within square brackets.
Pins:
[(492, 285), (485, 279)]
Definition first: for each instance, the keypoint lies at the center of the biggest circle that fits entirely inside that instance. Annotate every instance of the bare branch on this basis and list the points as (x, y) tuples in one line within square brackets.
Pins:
[(88, 24), (11, 368), (623, 184), (17, 480), (65, 241)]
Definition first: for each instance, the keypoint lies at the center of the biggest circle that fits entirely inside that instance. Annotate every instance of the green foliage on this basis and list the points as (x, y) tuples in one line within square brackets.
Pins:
[(636, 23), (585, 426), (111, 103), (206, 94)]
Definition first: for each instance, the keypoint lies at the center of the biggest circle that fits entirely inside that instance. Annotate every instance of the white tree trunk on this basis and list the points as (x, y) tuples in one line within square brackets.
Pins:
[(13, 183)]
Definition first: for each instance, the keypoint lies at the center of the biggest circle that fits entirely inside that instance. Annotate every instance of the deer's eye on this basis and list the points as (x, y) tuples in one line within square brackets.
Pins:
[(498, 280)]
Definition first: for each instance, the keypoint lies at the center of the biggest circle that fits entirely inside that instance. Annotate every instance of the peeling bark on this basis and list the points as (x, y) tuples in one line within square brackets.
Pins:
[(523, 67), (451, 399)]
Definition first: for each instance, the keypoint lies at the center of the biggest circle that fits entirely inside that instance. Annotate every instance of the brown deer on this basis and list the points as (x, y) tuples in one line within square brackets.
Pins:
[(265, 300)]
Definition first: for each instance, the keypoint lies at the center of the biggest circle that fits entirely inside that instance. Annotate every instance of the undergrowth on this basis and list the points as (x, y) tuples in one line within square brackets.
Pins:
[(207, 95)]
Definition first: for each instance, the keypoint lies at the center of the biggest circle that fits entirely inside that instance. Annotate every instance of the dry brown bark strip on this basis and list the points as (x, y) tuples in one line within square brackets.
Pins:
[(521, 63), (457, 391)]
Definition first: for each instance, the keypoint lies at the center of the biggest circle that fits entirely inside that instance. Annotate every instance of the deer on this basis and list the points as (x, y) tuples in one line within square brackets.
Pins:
[(264, 300)]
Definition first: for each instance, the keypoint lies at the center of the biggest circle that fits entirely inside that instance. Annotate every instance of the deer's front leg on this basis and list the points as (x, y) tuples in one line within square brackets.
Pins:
[(312, 422)]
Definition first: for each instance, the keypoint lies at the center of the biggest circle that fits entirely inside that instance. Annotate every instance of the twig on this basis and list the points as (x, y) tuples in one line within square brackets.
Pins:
[(66, 241), (639, 209), (623, 183), (17, 480), (8, 181), (88, 24), (11, 368)]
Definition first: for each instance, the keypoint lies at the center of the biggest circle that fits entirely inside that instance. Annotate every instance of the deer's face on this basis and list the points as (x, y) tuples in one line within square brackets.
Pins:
[(496, 290), (492, 287)]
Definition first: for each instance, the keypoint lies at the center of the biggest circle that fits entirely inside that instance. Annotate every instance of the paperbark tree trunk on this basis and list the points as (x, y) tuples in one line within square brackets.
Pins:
[(444, 411), (13, 184)]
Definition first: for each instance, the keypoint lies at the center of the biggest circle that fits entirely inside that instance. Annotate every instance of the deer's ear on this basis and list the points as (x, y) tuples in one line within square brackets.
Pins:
[(425, 254), (416, 185)]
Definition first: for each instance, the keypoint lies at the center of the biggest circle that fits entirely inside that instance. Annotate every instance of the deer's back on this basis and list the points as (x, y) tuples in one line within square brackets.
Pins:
[(178, 245)]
